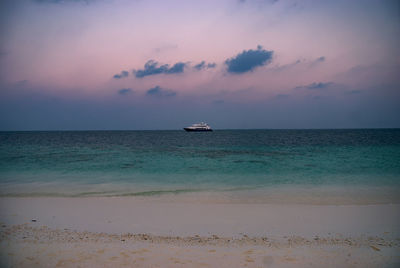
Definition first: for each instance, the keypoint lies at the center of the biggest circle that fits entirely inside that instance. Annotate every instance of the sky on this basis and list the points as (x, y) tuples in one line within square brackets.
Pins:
[(148, 65)]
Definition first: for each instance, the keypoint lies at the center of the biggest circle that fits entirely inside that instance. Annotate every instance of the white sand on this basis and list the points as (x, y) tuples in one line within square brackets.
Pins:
[(121, 254), (230, 235)]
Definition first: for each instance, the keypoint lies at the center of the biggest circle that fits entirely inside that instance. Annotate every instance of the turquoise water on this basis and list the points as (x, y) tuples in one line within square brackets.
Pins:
[(155, 162)]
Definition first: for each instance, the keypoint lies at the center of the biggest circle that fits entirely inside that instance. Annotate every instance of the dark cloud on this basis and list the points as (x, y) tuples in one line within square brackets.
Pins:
[(248, 60), (177, 68), (200, 66), (160, 92), (152, 68), (123, 74), (203, 65), (315, 85), (125, 91)]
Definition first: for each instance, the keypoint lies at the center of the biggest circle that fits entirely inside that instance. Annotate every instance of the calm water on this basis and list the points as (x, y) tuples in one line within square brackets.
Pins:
[(149, 162)]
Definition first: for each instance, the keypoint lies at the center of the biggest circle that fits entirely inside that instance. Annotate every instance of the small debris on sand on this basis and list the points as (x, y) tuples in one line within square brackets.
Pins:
[(375, 248)]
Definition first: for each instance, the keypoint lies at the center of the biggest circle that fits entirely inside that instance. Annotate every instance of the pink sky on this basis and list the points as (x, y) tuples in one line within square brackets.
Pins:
[(72, 49)]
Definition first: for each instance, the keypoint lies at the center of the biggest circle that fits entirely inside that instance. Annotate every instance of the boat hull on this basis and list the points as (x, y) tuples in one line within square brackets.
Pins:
[(196, 130)]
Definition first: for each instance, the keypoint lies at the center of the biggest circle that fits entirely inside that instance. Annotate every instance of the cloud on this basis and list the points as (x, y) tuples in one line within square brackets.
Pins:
[(319, 85), (63, 1), (248, 60), (157, 91), (200, 66), (125, 91), (177, 68), (260, 2), (203, 65), (317, 61), (287, 66), (300, 62), (123, 74), (151, 68), (315, 85)]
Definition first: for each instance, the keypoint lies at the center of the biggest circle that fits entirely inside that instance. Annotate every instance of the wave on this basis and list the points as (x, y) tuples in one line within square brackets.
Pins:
[(103, 193), (162, 192), (283, 194)]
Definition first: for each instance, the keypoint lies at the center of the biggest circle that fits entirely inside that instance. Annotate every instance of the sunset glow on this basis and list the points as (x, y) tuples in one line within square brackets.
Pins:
[(94, 64)]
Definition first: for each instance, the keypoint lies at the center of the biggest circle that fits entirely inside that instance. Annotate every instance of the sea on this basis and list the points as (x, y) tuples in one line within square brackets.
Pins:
[(241, 165)]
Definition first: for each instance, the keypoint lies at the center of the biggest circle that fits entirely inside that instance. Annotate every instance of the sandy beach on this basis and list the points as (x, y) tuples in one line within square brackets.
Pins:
[(234, 133), (150, 232)]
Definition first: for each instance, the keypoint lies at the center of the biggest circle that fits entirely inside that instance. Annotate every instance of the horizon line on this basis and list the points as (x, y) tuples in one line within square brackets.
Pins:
[(222, 129)]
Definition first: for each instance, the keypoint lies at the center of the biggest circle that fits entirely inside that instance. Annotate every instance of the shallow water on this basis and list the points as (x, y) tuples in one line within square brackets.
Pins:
[(147, 163)]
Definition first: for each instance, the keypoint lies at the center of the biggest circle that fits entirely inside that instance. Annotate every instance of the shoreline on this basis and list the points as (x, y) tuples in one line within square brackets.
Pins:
[(278, 194)]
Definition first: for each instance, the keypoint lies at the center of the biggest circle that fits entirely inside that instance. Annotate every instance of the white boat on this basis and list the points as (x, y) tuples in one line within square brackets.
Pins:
[(198, 127)]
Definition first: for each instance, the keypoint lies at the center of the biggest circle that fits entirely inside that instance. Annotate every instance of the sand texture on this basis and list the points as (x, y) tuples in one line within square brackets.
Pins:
[(125, 232), (27, 246)]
